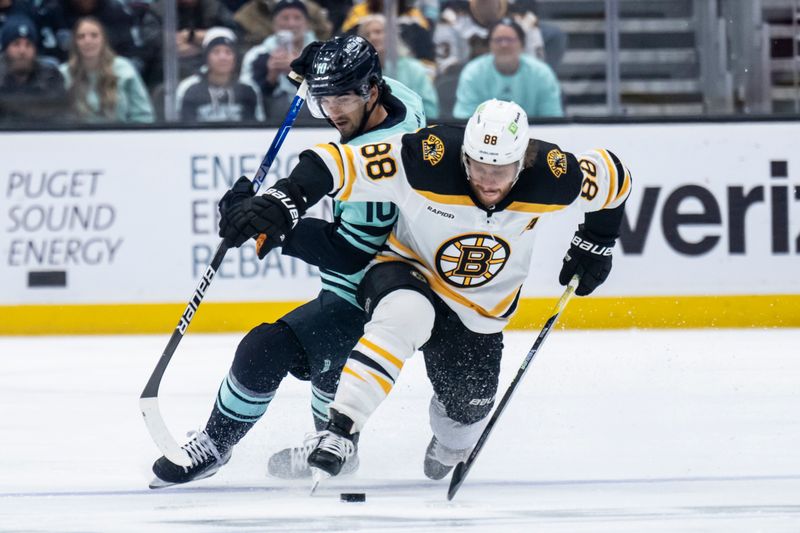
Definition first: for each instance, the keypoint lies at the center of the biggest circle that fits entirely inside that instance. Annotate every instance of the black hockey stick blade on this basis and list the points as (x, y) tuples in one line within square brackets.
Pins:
[(459, 474), (462, 469)]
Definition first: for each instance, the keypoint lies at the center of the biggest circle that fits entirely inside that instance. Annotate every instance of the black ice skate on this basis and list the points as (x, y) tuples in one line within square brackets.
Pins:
[(440, 460), (206, 460), (292, 463), (333, 448)]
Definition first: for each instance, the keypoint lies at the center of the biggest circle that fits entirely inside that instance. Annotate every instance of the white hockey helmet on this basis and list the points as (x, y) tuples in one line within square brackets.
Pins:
[(497, 134)]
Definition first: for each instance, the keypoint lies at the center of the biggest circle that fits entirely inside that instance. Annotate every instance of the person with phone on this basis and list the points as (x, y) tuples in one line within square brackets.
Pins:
[(268, 64)]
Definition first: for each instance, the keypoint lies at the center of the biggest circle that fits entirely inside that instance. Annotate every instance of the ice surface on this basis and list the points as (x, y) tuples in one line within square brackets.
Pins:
[(623, 431)]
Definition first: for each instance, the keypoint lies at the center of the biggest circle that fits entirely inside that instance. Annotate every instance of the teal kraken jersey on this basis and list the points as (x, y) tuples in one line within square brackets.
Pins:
[(367, 225)]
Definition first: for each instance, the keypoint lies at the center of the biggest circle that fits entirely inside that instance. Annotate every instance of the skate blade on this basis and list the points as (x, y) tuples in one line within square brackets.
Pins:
[(160, 483), (317, 476)]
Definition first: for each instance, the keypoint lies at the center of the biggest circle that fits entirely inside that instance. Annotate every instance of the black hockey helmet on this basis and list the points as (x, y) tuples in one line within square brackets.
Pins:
[(344, 64)]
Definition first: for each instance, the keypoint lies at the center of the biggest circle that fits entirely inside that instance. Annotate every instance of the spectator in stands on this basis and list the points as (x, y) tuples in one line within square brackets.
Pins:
[(57, 18), (30, 89), (255, 17), (102, 86), (267, 64), (551, 42), (215, 94), (408, 70), (508, 74), (195, 17), (414, 28), (463, 33)]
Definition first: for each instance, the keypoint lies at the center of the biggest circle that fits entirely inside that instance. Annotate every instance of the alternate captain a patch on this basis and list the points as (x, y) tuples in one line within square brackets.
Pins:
[(432, 149), (472, 260), (557, 162)]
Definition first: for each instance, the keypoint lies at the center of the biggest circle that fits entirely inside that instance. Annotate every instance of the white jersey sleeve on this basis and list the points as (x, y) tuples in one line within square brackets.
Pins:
[(606, 181), (371, 172)]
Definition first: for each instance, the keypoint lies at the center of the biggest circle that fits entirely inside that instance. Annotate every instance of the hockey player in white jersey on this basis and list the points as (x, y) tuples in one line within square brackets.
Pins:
[(347, 87), (450, 275)]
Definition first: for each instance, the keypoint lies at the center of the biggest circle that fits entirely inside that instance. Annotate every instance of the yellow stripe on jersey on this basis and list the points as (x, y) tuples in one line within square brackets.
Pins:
[(505, 303), (348, 370), (613, 179), (385, 385), (337, 157), (525, 207), (404, 250), (450, 199), (351, 173), (626, 185), (380, 351)]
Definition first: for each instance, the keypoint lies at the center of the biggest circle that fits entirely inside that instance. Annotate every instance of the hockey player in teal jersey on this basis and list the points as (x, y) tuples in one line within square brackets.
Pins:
[(346, 87)]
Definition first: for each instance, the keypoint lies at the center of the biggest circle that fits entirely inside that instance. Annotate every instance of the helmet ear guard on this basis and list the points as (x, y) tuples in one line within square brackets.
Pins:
[(496, 134)]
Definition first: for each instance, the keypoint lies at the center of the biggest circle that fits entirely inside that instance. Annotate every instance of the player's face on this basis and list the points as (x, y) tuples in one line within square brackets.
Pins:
[(491, 183), (346, 111)]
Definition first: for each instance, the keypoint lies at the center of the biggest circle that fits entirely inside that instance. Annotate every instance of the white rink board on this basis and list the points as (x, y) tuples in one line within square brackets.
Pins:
[(129, 217)]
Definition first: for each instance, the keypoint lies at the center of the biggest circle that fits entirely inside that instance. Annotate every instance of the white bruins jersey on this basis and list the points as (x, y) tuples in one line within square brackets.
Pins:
[(475, 259)]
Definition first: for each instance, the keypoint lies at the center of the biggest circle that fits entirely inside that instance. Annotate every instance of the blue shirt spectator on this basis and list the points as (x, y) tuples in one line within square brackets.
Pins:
[(508, 74)]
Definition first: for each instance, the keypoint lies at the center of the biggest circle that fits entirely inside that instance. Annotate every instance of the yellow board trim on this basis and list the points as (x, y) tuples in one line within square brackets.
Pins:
[(593, 312)]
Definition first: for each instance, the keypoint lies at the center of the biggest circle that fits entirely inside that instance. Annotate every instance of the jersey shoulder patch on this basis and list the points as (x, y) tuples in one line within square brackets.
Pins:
[(432, 160), (551, 175)]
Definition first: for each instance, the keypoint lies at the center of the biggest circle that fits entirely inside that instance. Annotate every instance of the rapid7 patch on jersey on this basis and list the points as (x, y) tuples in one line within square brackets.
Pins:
[(472, 260)]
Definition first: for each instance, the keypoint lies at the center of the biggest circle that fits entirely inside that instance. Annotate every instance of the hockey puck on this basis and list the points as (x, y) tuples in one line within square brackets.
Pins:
[(353, 497)]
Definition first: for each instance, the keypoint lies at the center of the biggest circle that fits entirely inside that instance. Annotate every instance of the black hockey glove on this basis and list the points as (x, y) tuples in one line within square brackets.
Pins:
[(589, 256), (302, 65), (240, 191), (269, 216)]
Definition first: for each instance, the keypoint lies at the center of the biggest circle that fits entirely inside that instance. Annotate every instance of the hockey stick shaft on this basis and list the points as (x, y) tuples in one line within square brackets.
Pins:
[(148, 401), (462, 469)]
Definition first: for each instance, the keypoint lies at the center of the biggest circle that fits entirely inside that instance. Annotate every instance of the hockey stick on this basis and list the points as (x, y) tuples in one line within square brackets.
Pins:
[(148, 401), (463, 468)]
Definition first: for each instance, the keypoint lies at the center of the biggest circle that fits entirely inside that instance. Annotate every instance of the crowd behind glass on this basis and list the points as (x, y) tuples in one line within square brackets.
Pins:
[(101, 61)]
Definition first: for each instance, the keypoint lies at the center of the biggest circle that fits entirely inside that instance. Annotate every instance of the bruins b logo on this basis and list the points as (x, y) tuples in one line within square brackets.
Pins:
[(471, 260)]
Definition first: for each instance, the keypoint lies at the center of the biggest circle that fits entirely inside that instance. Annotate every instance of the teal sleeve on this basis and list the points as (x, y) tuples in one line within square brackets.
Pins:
[(550, 94), (141, 109), (424, 87)]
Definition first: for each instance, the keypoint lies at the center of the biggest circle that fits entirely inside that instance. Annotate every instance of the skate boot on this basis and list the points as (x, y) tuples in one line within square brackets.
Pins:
[(292, 463), (206, 460), (440, 460), (333, 447)]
